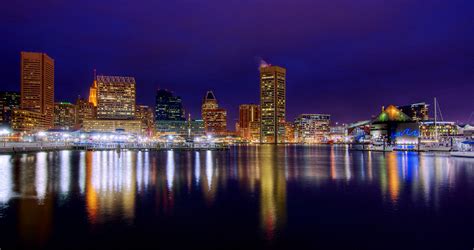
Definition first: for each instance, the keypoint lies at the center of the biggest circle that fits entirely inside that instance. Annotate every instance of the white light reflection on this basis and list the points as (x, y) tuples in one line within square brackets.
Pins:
[(170, 169), (197, 167), (41, 177), (5, 178), (209, 168), (65, 171), (82, 171)]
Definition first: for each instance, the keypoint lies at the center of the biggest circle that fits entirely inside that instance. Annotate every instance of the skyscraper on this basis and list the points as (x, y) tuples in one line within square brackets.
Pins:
[(168, 107), (64, 115), (115, 98), (8, 102), (272, 104), (215, 118), (85, 110), (169, 113), (93, 91), (249, 122), (37, 86)]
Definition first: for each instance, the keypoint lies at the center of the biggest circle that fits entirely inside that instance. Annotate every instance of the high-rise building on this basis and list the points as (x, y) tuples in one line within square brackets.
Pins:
[(93, 91), (272, 104), (416, 111), (144, 114), (85, 110), (115, 98), (312, 128), (8, 102), (169, 113), (215, 118), (37, 86), (168, 107), (249, 122), (64, 115)]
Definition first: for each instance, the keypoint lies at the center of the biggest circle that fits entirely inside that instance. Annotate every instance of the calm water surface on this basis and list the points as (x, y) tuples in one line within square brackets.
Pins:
[(291, 197)]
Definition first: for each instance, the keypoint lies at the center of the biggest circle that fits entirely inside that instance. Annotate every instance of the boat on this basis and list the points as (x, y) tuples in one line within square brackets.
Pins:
[(465, 149), (437, 145), (469, 154)]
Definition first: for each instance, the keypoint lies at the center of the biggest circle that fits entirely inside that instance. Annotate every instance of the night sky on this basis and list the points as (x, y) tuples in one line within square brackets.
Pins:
[(343, 57)]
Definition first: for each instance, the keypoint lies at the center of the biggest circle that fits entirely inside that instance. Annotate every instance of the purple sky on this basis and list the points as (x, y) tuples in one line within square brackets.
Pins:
[(343, 57)]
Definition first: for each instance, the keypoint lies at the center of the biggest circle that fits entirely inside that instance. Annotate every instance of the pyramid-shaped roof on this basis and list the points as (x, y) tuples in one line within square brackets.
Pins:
[(392, 114), (210, 96)]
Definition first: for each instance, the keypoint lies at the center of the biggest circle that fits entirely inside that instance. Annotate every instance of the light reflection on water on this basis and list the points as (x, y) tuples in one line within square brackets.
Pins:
[(112, 184)]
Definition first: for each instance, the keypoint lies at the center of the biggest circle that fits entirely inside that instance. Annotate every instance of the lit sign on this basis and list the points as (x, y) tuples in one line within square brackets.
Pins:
[(406, 132)]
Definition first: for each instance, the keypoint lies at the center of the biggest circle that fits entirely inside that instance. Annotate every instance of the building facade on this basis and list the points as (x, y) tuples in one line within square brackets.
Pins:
[(8, 102), (144, 114), (215, 118), (37, 87), (64, 116), (431, 129), (116, 97), (128, 126), (312, 128), (168, 107), (272, 104), (248, 126), (417, 111), (85, 110), (169, 113)]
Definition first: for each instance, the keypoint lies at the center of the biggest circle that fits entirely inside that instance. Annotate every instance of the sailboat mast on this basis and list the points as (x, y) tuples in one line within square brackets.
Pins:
[(436, 125)]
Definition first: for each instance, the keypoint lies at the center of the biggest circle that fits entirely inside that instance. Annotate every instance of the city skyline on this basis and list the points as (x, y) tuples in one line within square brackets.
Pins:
[(401, 55)]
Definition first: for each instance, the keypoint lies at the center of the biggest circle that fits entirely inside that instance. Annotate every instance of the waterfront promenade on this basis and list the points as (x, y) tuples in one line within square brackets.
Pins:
[(24, 147)]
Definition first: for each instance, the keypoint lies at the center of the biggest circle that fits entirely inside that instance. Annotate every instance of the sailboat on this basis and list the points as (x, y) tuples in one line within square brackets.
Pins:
[(465, 149), (436, 145)]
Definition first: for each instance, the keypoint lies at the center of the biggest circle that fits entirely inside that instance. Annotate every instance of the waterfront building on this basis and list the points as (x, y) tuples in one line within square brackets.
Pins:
[(272, 104), (37, 89), (290, 136), (338, 133), (416, 111), (168, 107), (128, 126), (312, 128), (248, 125), (169, 113), (85, 110), (28, 121), (394, 126), (144, 114), (215, 118), (431, 129), (466, 130), (116, 97), (8, 102), (64, 116)]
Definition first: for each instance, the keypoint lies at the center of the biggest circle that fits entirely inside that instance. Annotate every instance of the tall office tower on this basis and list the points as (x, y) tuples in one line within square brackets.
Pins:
[(93, 91), (168, 107), (37, 86), (272, 104), (115, 98), (144, 114), (215, 118), (249, 122), (8, 102), (169, 113), (85, 110), (64, 115), (312, 128)]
